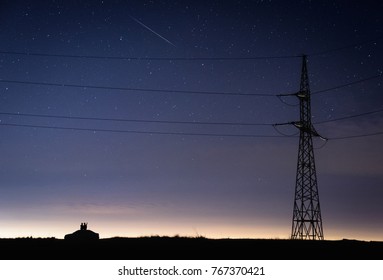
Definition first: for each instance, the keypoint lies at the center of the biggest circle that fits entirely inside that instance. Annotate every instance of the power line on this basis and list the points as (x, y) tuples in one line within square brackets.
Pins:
[(139, 131), (128, 58), (348, 84), (183, 91), (135, 89), (357, 136), (178, 122), (178, 133), (350, 117), (135, 120), (336, 138), (337, 87), (347, 47), (135, 58)]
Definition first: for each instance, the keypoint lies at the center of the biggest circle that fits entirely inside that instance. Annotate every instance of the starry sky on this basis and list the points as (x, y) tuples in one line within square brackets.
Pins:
[(156, 117)]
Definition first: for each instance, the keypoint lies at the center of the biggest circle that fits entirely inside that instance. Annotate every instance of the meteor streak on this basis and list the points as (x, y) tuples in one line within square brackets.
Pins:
[(151, 30)]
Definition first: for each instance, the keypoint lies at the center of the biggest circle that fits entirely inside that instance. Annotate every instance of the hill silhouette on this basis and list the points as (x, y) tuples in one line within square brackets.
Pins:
[(184, 248), (83, 234)]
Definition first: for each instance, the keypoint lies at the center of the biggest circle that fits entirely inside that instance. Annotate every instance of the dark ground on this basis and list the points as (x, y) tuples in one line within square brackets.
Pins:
[(169, 248)]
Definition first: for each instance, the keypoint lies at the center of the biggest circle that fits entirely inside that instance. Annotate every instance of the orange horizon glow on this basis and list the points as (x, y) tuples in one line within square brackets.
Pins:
[(115, 229)]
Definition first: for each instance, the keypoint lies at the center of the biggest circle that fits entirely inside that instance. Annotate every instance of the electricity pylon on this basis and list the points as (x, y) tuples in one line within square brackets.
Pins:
[(307, 219)]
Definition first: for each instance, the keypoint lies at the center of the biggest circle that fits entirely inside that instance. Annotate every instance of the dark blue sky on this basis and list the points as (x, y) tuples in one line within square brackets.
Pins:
[(136, 165)]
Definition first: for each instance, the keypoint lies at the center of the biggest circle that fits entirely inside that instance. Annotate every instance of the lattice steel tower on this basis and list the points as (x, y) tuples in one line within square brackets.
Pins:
[(307, 220)]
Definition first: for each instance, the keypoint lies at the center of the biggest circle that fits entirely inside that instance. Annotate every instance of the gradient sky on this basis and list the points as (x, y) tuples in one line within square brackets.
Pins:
[(138, 184)]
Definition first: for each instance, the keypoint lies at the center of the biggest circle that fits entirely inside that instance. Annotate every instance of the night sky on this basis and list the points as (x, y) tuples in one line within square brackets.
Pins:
[(155, 117)]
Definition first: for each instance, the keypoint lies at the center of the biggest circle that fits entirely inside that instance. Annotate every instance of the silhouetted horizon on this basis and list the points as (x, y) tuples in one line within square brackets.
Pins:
[(188, 248)]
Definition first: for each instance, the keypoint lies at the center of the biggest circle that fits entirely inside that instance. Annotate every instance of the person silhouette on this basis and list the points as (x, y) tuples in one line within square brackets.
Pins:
[(83, 226)]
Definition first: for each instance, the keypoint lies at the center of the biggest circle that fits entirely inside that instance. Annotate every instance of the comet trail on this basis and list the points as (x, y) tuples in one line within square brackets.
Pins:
[(151, 30)]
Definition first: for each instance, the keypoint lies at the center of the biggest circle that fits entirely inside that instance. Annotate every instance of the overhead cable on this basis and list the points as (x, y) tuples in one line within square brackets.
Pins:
[(18, 114), (140, 131), (349, 117), (348, 84), (336, 87), (94, 130), (357, 136), (146, 58), (135, 89), (345, 47), (128, 58), (134, 120), (184, 91)]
